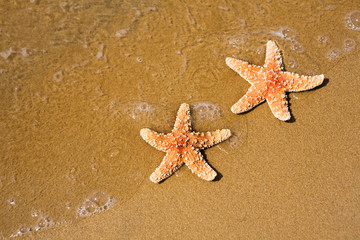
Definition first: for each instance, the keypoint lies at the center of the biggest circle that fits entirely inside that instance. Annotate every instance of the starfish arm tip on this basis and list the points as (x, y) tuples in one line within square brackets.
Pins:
[(230, 62), (272, 42), (157, 176), (154, 179), (183, 119), (208, 176), (298, 83), (227, 133), (220, 136), (321, 77), (283, 116), (236, 109), (211, 177), (144, 132), (286, 118), (184, 105), (233, 110)]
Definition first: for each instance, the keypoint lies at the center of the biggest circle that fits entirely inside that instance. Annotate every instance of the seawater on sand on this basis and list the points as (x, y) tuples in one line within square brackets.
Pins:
[(79, 79)]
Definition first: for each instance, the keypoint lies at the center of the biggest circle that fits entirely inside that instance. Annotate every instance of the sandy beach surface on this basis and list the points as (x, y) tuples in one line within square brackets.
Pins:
[(79, 79)]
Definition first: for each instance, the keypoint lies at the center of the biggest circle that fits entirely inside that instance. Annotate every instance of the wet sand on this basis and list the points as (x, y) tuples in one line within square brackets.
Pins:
[(78, 80)]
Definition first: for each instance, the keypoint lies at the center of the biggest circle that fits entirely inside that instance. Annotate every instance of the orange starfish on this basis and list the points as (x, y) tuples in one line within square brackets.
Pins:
[(183, 146), (270, 83)]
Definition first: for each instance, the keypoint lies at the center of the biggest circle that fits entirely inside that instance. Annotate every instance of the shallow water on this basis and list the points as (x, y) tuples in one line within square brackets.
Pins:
[(79, 79)]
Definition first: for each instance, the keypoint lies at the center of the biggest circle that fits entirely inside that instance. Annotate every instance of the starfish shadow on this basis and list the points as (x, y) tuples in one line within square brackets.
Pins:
[(292, 118), (218, 174), (163, 180), (324, 83)]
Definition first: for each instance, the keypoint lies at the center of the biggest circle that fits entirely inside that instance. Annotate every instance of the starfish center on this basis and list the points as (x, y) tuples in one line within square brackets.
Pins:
[(181, 140)]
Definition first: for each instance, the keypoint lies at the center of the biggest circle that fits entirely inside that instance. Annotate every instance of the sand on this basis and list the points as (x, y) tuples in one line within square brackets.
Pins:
[(79, 79)]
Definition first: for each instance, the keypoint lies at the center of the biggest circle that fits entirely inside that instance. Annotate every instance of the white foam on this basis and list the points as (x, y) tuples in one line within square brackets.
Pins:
[(35, 213), (58, 76), (206, 111), (154, 9), (42, 223), (12, 201), (242, 22), (349, 45), (24, 52), (223, 8), (323, 39), (334, 53), (96, 203), (237, 41), (134, 109), (285, 33), (100, 53), (352, 20), (137, 11), (297, 47), (237, 139), (6, 54), (122, 32), (292, 63)]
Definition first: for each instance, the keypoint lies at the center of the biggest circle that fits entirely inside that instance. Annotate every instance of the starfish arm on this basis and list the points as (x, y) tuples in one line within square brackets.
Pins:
[(183, 118), (296, 83), (168, 166), (278, 105), (273, 59), (195, 161), (157, 140), (248, 71), (208, 139), (253, 97)]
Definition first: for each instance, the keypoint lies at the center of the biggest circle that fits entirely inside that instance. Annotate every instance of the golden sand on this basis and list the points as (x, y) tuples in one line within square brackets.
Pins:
[(79, 79)]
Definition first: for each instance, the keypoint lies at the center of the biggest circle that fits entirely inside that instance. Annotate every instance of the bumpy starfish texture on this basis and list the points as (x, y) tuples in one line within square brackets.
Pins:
[(183, 146), (270, 83)]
